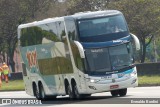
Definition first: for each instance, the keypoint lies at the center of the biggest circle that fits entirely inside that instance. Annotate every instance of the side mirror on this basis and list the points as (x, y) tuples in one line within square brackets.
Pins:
[(80, 48), (136, 41)]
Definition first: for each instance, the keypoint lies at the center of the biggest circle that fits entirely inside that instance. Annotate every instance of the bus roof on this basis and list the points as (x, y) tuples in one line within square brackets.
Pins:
[(80, 15), (44, 21), (88, 14)]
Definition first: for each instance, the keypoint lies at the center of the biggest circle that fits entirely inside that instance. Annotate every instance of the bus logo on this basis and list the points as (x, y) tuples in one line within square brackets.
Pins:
[(113, 80), (32, 58), (120, 41)]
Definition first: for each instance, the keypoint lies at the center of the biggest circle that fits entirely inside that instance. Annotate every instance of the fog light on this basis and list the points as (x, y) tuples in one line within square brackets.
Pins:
[(132, 74), (133, 81), (92, 87)]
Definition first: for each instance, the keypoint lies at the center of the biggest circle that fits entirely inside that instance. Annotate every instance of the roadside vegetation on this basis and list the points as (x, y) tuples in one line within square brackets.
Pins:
[(153, 80), (16, 85)]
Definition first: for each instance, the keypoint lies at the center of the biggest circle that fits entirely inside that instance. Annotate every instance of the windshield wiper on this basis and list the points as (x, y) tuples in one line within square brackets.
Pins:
[(125, 66)]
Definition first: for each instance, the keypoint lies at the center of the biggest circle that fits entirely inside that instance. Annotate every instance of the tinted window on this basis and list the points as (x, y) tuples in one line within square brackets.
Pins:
[(71, 29), (53, 52), (102, 28), (121, 56), (39, 34), (97, 60)]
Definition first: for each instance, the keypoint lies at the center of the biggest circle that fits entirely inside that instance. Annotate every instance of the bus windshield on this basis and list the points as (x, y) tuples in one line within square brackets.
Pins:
[(109, 59), (109, 28), (121, 56)]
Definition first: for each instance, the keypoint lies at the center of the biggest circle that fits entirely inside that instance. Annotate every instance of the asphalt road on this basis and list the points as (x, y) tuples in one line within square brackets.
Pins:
[(138, 95)]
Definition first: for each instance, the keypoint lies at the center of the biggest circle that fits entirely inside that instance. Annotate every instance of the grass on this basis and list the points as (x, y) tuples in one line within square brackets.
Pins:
[(17, 85), (153, 80), (12, 85)]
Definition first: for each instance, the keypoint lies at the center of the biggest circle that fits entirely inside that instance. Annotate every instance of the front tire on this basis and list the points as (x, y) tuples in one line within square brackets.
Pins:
[(42, 94), (122, 92), (114, 93), (69, 92), (36, 91), (86, 95), (75, 92)]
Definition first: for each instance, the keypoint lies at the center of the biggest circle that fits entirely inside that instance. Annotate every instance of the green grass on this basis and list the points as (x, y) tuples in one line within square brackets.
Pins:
[(12, 85), (153, 80)]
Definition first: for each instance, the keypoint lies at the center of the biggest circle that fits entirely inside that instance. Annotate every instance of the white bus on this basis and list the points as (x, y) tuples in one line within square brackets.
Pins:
[(78, 55)]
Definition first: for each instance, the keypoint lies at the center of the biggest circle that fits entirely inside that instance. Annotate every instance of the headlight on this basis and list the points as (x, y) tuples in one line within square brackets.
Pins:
[(134, 73), (94, 80)]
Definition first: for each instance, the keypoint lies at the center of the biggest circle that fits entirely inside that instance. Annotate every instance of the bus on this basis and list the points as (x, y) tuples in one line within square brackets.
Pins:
[(78, 55)]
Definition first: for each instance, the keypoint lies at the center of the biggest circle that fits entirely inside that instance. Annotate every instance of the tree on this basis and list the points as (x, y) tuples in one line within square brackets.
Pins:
[(8, 18), (75, 6), (143, 17), (35, 9), (13, 13)]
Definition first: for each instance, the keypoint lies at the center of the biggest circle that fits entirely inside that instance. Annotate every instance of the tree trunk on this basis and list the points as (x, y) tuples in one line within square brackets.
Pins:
[(4, 58), (11, 61), (12, 64), (1, 60), (143, 54), (11, 50)]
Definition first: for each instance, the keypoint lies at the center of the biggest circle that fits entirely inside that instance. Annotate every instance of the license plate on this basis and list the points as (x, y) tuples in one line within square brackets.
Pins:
[(114, 86)]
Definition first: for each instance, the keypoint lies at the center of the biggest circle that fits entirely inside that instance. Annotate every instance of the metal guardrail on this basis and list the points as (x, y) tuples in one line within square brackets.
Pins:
[(16, 76), (148, 69)]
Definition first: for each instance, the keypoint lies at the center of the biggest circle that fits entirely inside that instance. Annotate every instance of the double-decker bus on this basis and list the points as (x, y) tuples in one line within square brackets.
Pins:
[(78, 55)]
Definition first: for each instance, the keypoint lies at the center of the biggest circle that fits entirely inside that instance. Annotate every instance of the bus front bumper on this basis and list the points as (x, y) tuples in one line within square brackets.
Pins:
[(104, 87)]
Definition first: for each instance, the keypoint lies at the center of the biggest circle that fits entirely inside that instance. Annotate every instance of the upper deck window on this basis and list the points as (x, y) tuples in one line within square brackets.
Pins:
[(102, 27)]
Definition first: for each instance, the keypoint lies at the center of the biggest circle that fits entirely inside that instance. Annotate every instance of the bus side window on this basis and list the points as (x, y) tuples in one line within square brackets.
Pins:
[(72, 35), (71, 29)]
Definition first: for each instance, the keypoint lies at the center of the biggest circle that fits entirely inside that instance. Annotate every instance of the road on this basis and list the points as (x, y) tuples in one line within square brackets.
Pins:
[(134, 94)]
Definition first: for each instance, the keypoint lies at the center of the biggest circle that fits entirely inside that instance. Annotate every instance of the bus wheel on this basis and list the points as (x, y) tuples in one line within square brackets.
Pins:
[(122, 92), (42, 93), (86, 95), (36, 91), (75, 92), (69, 92), (51, 97), (114, 93)]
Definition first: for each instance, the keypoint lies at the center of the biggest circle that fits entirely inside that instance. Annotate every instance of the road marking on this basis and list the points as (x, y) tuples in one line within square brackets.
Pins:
[(135, 92)]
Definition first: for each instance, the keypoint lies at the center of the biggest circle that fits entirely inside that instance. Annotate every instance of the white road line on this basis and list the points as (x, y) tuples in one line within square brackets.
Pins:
[(135, 92)]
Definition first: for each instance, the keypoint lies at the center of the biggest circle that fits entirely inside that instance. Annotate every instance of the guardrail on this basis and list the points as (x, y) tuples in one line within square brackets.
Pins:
[(148, 69), (16, 76)]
